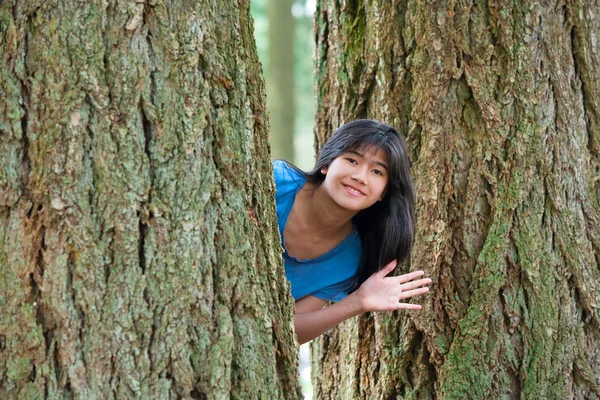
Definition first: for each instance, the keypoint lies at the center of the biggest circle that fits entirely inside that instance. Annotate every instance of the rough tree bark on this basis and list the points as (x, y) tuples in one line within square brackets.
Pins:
[(139, 253), (499, 102), (280, 78)]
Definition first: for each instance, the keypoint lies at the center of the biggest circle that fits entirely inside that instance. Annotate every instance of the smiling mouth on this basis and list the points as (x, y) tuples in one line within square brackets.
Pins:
[(354, 191)]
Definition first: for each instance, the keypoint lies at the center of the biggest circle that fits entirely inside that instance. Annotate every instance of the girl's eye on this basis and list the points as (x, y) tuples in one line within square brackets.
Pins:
[(377, 172), (351, 160)]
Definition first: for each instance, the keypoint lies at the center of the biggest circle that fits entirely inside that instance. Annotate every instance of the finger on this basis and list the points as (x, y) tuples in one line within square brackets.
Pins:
[(415, 284), (410, 276), (414, 292), (388, 268), (408, 306)]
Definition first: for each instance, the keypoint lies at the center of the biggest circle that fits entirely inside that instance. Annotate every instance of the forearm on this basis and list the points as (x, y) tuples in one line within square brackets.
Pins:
[(309, 325)]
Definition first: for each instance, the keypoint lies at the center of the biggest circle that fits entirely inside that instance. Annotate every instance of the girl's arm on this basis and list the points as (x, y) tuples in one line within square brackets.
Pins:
[(312, 319), (378, 293)]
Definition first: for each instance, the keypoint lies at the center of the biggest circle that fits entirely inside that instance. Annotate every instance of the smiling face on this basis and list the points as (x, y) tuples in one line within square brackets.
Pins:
[(357, 179)]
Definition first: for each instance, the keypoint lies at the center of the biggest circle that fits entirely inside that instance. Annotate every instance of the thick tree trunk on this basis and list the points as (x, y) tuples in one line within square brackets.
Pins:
[(280, 78), (139, 253), (499, 103)]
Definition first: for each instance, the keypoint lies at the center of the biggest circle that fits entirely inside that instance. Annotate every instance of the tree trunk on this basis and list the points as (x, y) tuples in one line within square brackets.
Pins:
[(280, 78), (499, 104), (139, 253)]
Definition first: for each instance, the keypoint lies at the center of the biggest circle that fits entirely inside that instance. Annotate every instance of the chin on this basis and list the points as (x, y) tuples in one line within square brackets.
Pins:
[(356, 205)]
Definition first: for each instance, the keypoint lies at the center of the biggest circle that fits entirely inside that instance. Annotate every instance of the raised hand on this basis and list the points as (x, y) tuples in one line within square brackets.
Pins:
[(383, 293)]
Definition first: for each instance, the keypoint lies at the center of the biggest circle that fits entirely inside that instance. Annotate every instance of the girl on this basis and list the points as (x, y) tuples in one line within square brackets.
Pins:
[(342, 222)]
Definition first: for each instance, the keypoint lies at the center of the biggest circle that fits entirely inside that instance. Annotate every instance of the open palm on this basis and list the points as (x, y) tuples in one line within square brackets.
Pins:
[(384, 293)]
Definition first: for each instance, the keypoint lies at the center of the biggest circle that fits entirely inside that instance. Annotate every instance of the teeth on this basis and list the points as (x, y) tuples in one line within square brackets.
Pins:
[(352, 190)]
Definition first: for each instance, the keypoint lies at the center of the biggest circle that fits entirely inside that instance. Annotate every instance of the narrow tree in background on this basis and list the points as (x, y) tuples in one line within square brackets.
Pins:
[(499, 104), (280, 78), (139, 253)]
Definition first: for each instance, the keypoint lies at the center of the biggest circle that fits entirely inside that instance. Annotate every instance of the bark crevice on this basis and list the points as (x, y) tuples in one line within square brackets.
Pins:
[(25, 162), (110, 240), (36, 278), (79, 319), (142, 233)]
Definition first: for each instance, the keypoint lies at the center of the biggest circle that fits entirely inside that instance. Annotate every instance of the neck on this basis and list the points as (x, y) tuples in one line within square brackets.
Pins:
[(321, 213)]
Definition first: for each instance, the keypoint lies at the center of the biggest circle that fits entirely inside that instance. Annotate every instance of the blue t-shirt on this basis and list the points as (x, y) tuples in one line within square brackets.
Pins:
[(329, 276)]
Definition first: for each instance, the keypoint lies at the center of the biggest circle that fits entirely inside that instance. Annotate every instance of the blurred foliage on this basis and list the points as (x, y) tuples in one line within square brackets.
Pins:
[(304, 72), (305, 113)]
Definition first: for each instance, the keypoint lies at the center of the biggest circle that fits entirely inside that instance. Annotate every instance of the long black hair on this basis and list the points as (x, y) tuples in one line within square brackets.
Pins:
[(386, 228)]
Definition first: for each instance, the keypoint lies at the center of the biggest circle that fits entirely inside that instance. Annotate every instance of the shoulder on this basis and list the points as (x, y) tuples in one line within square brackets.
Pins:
[(279, 170), (282, 169), (288, 182), (286, 177)]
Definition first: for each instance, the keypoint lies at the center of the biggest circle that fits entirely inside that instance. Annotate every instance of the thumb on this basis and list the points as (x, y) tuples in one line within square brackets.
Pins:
[(388, 268)]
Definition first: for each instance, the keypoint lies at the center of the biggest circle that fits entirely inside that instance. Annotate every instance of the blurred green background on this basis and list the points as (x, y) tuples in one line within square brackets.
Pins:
[(284, 37)]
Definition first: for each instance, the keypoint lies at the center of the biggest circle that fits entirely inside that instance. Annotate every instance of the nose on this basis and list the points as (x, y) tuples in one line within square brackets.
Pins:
[(360, 175)]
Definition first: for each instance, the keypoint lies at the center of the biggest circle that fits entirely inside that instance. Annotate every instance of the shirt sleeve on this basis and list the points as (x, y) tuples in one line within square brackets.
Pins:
[(278, 172), (335, 292)]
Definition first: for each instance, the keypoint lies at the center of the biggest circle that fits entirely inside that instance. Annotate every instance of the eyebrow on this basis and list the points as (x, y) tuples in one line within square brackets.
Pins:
[(376, 162)]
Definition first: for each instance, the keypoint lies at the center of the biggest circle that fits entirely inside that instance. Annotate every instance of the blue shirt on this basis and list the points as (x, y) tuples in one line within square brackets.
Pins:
[(329, 276)]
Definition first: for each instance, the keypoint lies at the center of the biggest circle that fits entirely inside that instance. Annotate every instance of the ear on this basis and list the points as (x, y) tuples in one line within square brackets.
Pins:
[(324, 170)]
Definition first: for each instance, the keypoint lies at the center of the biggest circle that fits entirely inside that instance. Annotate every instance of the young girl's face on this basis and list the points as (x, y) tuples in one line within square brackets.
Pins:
[(357, 179)]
